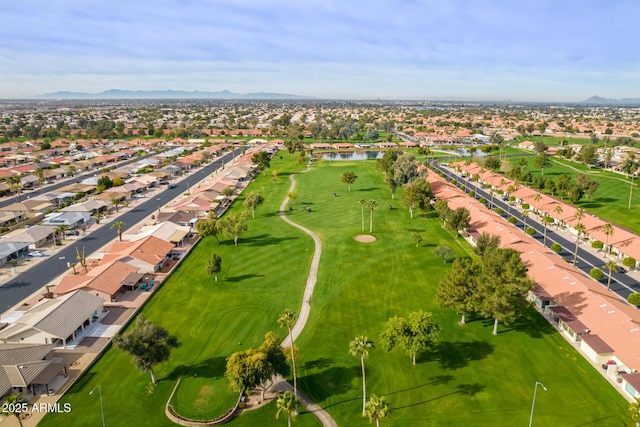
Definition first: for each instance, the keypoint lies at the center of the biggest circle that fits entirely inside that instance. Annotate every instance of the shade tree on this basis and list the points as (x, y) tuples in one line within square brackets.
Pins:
[(377, 408), (458, 287), (252, 202), (348, 178), (414, 333), (214, 266)]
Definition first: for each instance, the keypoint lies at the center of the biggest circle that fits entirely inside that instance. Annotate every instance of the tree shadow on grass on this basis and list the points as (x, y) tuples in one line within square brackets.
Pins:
[(330, 382), (236, 279), (415, 230), (367, 189), (208, 368), (437, 380), (321, 363), (530, 322), (455, 355), (463, 389), (265, 240)]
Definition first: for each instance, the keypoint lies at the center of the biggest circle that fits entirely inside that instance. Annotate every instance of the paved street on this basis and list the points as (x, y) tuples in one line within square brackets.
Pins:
[(37, 277), (622, 284)]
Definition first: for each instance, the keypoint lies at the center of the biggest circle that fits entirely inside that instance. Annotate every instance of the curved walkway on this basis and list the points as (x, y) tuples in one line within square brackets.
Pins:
[(279, 382)]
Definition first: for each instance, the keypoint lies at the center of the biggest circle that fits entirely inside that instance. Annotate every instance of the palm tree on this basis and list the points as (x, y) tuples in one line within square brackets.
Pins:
[(510, 189), (558, 211), (60, 230), (15, 402), (546, 220), (579, 215), (360, 347), (115, 202), (580, 228), (118, 226), (15, 185), (611, 265), (634, 410), (525, 215), (287, 402), (287, 319), (377, 409), (372, 205), (607, 230), (362, 203), (537, 199)]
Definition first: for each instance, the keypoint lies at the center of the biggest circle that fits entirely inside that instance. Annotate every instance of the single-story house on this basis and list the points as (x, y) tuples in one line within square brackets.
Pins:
[(105, 281), (70, 219), (90, 206), (12, 250), (54, 321), (36, 236), (24, 367)]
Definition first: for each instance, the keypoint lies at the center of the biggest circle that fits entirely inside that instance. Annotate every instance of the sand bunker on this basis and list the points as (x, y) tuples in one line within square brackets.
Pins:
[(363, 238)]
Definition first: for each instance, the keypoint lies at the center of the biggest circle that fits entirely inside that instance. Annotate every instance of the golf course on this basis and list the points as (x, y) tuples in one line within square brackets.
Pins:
[(467, 378)]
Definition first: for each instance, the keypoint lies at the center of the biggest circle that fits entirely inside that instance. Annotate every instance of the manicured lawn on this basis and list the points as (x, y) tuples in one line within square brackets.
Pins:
[(610, 201), (212, 320), (469, 378), (555, 141)]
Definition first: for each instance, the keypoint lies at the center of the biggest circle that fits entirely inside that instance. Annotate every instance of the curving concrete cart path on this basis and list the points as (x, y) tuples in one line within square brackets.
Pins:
[(279, 382)]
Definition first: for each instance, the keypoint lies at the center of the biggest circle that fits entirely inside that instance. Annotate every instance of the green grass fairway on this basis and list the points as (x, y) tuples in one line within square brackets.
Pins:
[(260, 277), (552, 141), (610, 201), (470, 378)]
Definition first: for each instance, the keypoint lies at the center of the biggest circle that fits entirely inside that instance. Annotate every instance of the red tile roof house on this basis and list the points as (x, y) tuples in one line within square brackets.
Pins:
[(105, 281), (595, 320), (147, 255)]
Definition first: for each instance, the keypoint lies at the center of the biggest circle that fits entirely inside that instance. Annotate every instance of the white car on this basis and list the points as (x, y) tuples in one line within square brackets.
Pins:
[(138, 196), (36, 254)]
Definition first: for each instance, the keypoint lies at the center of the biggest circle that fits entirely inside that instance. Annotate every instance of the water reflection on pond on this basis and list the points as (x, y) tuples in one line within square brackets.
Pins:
[(360, 155)]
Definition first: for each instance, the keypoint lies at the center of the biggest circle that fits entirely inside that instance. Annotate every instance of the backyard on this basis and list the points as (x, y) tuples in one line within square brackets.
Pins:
[(470, 377)]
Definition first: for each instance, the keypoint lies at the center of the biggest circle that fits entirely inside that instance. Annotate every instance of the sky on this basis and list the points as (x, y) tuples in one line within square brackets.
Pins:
[(521, 50)]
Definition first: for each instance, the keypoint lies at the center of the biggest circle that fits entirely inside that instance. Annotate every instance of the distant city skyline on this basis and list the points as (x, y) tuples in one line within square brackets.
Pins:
[(492, 50)]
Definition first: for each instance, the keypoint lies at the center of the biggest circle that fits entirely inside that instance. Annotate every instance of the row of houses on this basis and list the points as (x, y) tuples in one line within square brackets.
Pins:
[(601, 325)]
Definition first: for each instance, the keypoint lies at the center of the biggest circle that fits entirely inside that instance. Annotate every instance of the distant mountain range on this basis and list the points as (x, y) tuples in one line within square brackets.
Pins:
[(610, 101), (168, 94)]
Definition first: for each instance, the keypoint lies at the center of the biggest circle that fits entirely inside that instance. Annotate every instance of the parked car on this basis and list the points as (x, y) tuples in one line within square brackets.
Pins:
[(172, 186), (621, 269), (138, 196), (71, 233), (36, 254)]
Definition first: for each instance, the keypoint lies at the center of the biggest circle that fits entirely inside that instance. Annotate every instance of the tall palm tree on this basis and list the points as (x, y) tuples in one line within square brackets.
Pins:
[(377, 409), (115, 202), (360, 347), (525, 215), (510, 189), (607, 230), (537, 199), (118, 226), (287, 319), (362, 203), (287, 402), (580, 229), (15, 185), (372, 205), (15, 402), (546, 220), (558, 211), (60, 230), (611, 265), (579, 215)]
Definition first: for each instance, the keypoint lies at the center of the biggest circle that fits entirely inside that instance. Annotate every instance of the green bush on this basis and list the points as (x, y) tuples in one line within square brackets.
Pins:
[(500, 191), (525, 206), (556, 247), (596, 273), (472, 193), (629, 262), (634, 299), (530, 231), (483, 200), (499, 211), (454, 181), (512, 198), (513, 219), (597, 244), (463, 188)]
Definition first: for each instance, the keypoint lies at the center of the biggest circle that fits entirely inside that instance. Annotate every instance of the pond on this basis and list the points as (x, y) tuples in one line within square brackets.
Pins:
[(465, 152), (360, 155)]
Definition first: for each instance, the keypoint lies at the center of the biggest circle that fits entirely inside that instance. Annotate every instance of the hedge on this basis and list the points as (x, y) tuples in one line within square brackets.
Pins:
[(596, 273), (629, 262), (525, 206), (499, 211), (483, 200), (530, 231), (513, 219), (597, 244), (556, 247), (634, 299)]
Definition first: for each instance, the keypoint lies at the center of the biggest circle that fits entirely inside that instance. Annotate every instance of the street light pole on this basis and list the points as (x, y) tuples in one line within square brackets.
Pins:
[(533, 403), (101, 407)]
